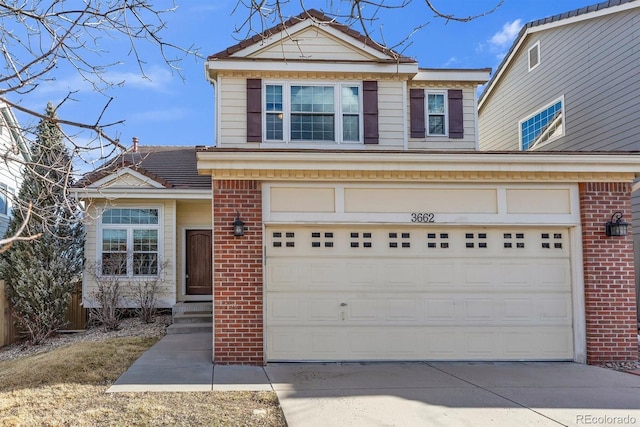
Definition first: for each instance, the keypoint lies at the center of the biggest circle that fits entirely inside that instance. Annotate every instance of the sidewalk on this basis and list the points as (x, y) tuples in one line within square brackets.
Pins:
[(182, 362)]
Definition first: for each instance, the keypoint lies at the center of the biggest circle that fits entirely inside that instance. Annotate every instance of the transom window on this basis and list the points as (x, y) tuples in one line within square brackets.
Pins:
[(436, 113), (313, 113), (130, 242), (543, 126)]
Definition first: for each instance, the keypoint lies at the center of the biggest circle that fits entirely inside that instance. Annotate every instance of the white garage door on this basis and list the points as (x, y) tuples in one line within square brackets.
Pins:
[(417, 293)]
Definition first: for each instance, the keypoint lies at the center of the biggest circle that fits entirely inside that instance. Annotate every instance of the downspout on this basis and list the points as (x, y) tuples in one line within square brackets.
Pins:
[(475, 118), (216, 122)]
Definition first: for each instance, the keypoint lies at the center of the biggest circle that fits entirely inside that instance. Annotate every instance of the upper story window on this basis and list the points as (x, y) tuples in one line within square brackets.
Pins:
[(313, 112), (543, 126), (130, 242), (534, 56), (436, 113)]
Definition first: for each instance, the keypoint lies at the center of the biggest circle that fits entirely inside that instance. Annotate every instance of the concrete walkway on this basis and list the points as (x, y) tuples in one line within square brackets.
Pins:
[(400, 394), (182, 362)]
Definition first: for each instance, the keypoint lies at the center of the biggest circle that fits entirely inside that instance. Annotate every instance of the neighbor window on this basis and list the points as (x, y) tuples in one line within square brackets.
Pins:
[(312, 113), (4, 199), (130, 242), (543, 126), (534, 56), (436, 113)]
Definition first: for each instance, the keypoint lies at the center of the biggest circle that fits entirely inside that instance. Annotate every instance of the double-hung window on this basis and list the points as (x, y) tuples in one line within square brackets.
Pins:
[(130, 242), (313, 112), (436, 113)]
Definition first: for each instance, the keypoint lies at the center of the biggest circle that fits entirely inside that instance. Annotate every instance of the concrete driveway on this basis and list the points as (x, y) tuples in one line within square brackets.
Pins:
[(454, 394)]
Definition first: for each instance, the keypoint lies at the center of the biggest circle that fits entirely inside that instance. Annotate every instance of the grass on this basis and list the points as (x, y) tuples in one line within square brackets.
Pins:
[(66, 386)]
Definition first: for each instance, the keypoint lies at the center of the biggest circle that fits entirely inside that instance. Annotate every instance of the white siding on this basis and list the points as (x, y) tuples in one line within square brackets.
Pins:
[(10, 174)]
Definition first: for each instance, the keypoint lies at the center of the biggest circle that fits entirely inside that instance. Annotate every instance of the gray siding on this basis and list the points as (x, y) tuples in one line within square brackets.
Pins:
[(592, 63)]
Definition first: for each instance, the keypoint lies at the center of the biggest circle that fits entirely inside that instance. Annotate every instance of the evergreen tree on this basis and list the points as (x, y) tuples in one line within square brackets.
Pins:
[(41, 274)]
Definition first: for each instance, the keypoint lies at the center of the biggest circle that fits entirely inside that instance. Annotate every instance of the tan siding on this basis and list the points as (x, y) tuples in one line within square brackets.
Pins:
[(311, 43), (444, 143), (233, 111), (127, 180), (190, 215), (390, 113), (591, 63), (166, 292)]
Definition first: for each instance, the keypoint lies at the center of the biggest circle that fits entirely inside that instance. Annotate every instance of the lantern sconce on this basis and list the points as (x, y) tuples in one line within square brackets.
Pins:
[(238, 226), (616, 226)]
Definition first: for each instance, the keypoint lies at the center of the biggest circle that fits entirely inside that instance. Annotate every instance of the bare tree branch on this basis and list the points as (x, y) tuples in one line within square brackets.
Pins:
[(18, 235)]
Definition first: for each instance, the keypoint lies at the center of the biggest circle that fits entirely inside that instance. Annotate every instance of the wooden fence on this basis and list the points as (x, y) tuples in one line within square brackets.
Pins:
[(76, 316)]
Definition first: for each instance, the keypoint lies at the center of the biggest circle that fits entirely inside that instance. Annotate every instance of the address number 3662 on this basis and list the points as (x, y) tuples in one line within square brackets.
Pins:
[(422, 217)]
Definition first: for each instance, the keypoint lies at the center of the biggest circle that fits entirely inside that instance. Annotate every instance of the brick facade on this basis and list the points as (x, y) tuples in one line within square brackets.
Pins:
[(609, 282), (611, 325), (237, 277)]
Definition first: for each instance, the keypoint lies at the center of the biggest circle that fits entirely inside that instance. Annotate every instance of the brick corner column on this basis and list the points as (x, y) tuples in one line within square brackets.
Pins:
[(609, 279), (237, 276)]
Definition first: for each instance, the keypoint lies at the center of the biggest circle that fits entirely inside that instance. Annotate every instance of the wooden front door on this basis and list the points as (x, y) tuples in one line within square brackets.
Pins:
[(199, 273)]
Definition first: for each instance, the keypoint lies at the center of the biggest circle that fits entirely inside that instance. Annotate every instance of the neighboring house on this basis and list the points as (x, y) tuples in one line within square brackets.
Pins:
[(13, 149), (147, 208), (570, 83), (374, 230)]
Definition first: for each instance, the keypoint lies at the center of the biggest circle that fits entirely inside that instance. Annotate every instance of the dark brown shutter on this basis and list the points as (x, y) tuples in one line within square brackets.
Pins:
[(370, 111), (416, 104), (456, 119), (254, 110)]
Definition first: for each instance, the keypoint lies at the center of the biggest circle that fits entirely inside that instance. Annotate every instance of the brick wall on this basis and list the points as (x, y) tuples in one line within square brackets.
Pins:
[(237, 277), (608, 275)]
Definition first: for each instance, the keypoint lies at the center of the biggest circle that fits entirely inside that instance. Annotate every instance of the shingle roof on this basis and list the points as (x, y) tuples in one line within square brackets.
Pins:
[(318, 17), (172, 166), (548, 20)]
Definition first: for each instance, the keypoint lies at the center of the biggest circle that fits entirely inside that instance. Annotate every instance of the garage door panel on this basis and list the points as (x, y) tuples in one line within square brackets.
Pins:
[(322, 310), (478, 310), (418, 293), (424, 309), (392, 343)]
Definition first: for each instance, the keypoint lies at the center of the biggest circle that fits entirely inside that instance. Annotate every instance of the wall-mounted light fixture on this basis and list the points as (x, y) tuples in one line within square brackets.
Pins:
[(238, 226), (616, 226)]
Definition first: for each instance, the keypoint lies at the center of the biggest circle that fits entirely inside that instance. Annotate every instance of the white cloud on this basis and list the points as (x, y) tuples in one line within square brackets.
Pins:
[(155, 78), (507, 35), (451, 61)]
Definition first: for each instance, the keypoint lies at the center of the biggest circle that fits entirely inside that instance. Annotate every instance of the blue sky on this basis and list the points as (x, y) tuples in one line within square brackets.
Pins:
[(165, 110)]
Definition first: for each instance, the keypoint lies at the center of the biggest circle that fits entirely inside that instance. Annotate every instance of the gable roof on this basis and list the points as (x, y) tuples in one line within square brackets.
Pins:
[(315, 16), (171, 166), (565, 18)]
